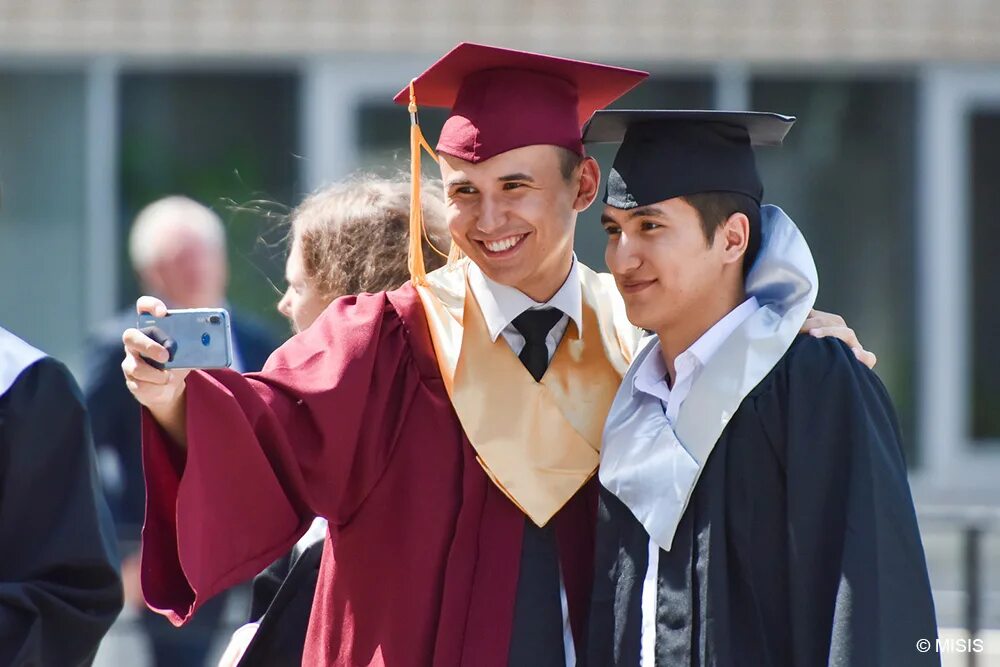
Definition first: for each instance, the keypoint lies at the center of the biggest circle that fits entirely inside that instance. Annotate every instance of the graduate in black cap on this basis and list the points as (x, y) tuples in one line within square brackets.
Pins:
[(747, 515)]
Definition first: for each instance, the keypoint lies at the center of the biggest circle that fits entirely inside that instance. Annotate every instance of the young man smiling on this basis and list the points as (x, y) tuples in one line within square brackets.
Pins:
[(449, 430), (755, 508)]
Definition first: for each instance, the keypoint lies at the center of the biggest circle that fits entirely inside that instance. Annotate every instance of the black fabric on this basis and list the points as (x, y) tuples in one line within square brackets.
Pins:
[(266, 585), (800, 543), (284, 611), (667, 154), (537, 633), (534, 326), (59, 585)]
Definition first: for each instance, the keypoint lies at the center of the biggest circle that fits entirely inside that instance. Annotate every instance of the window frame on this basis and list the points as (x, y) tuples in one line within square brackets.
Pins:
[(957, 467)]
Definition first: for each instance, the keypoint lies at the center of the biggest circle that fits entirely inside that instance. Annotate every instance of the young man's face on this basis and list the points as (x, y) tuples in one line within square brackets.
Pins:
[(514, 214), (663, 265)]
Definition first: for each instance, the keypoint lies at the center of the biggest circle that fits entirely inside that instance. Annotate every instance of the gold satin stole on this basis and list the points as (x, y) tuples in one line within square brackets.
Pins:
[(538, 441)]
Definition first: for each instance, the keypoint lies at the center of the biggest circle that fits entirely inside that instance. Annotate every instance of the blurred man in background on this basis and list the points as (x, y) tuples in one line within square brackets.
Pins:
[(59, 584), (178, 250)]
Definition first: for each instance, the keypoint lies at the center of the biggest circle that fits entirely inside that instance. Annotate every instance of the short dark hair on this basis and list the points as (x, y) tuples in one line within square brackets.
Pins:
[(714, 208), (568, 162)]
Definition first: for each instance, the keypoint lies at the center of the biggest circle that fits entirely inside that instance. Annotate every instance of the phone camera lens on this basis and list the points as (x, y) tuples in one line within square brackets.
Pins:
[(214, 319), (205, 339)]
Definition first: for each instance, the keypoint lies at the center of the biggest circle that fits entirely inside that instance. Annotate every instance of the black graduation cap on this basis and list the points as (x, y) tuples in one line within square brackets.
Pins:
[(667, 154)]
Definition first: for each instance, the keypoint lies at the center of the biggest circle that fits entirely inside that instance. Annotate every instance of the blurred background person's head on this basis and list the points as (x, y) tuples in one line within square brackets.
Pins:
[(178, 251), (352, 237)]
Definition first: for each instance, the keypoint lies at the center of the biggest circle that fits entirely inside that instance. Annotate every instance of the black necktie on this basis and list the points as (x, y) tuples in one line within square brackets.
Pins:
[(537, 633), (535, 326)]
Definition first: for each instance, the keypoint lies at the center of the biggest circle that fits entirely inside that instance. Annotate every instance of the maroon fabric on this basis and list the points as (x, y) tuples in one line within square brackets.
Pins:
[(349, 420), (502, 99)]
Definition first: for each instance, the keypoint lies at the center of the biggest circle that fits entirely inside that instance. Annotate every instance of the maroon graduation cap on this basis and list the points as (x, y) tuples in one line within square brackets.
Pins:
[(502, 99)]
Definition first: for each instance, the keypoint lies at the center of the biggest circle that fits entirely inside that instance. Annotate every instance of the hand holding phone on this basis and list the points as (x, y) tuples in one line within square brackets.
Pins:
[(162, 392), (161, 337)]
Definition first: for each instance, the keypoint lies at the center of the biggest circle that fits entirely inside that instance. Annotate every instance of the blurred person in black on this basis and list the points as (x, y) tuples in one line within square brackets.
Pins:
[(59, 584), (346, 238), (178, 250)]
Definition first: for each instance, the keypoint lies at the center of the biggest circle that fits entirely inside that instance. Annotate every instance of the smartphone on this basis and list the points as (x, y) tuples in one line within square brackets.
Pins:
[(194, 337)]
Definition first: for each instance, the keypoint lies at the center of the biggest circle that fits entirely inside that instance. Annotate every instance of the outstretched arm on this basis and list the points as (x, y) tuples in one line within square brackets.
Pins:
[(266, 452)]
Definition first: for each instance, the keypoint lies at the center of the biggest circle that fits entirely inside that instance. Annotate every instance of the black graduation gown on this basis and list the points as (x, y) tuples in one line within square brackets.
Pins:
[(59, 585), (799, 545), (281, 603)]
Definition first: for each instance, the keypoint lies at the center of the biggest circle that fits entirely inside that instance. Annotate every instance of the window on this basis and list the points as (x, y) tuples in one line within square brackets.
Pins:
[(846, 176), (384, 135), (984, 146), (43, 209), (228, 140)]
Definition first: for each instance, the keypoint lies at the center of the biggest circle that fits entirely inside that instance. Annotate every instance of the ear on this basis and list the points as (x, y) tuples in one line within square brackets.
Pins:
[(734, 235), (590, 181)]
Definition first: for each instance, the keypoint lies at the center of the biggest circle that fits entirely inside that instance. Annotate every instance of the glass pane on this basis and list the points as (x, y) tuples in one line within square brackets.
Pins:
[(384, 135), (227, 140), (43, 209), (846, 176), (984, 135)]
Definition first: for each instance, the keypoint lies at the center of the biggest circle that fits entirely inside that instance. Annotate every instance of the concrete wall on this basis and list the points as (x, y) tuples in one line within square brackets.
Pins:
[(754, 30)]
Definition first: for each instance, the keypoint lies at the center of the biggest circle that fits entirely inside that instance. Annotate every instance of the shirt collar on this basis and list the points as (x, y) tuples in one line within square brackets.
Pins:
[(706, 346), (650, 376), (500, 304), (652, 373)]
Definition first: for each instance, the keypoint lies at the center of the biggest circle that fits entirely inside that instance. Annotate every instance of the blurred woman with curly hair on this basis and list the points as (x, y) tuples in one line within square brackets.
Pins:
[(347, 238)]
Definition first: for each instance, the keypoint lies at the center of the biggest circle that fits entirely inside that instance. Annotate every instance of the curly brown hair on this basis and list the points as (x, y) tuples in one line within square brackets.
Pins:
[(354, 234)]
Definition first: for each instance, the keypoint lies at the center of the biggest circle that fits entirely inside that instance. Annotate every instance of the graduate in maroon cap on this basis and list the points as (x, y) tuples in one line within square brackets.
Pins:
[(449, 430)]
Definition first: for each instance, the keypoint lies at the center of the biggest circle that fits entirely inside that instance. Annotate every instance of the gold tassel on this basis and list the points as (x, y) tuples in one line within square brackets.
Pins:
[(415, 259)]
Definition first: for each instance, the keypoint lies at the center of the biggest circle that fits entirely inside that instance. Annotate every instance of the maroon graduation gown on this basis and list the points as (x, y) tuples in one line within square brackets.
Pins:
[(350, 420)]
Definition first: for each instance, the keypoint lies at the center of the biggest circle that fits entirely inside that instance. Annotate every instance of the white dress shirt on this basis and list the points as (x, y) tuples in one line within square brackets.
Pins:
[(651, 379), (500, 304)]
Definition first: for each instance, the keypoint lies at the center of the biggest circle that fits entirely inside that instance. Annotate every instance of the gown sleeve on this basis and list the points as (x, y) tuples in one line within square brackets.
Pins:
[(59, 585), (858, 584), (267, 452)]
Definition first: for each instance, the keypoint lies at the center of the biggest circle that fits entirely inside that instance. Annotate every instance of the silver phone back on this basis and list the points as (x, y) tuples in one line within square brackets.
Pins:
[(203, 336)]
